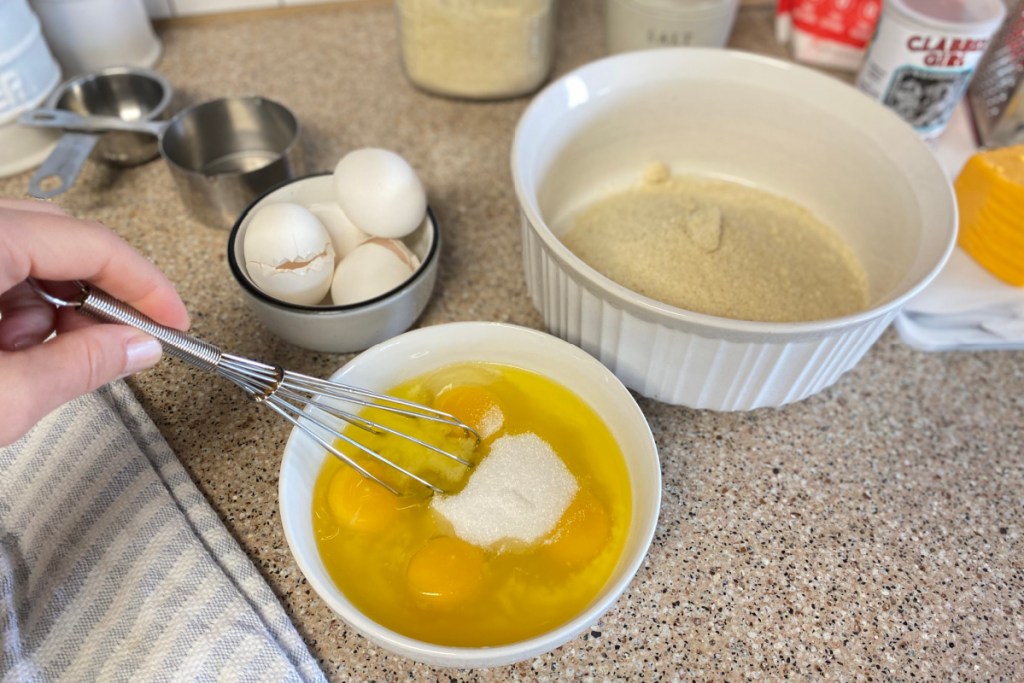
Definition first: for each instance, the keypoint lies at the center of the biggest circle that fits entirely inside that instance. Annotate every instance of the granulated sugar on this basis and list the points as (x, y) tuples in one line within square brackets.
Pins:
[(518, 492), (490, 422), (721, 248)]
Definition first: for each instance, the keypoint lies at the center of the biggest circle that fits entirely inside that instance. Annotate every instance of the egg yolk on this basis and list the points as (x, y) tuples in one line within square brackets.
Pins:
[(401, 563), (474, 405), (582, 532), (446, 571), (361, 503)]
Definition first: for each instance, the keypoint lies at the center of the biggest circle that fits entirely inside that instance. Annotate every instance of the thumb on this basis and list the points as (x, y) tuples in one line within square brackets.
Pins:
[(43, 377)]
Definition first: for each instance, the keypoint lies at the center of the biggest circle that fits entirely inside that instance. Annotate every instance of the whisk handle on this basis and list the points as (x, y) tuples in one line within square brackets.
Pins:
[(197, 352)]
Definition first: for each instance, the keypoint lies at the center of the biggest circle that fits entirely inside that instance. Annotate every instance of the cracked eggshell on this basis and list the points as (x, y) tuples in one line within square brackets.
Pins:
[(289, 254), (345, 235), (380, 192), (373, 268)]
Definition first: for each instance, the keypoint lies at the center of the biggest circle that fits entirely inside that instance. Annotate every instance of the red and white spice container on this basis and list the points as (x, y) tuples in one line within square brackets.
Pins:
[(923, 55), (829, 33)]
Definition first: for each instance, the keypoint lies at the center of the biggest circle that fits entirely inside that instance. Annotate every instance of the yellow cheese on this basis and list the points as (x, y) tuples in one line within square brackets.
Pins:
[(990, 195)]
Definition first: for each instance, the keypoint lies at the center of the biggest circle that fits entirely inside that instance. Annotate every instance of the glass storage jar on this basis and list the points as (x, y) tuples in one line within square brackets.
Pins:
[(479, 49)]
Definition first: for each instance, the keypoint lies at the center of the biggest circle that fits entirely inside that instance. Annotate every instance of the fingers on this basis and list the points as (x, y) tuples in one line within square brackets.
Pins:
[(39, 379), (25, 319), (31, 205), (38, 240)]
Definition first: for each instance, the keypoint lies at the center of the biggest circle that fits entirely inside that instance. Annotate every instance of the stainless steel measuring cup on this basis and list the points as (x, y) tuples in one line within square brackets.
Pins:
[(127, 93), (222, 153)]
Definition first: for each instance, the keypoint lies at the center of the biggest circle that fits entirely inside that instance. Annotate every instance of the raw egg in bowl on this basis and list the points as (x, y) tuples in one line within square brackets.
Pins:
[(523, 551), (315, 279)]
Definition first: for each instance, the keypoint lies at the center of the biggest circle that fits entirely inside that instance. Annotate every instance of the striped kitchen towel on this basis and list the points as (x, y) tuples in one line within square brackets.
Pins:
[(113, 567)]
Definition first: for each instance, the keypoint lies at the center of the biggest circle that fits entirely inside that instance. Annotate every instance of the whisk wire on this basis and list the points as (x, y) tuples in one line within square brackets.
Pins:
[(372, 399), (263, 378), (298, 398), (378, 428), (306, 420), (292, 396), (302, 422)]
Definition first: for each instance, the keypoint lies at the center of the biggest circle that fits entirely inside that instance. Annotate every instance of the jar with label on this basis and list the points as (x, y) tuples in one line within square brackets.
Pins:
[(923, 55), (644, 24), (478, 49)]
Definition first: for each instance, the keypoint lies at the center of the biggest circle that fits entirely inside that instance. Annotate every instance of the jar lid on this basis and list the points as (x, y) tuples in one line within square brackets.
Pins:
[(951, 15)]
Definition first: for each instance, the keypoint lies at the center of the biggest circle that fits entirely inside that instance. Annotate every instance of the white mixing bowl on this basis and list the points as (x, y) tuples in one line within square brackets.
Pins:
[(430, 348), (783, 128)]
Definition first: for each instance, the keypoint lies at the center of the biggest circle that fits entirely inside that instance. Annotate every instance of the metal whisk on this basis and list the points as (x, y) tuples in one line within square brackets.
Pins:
[(309, 403)]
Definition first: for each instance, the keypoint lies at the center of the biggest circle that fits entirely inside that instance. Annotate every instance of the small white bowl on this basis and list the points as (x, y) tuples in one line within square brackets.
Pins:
[(783, 128), (337, 329), (429, 348)]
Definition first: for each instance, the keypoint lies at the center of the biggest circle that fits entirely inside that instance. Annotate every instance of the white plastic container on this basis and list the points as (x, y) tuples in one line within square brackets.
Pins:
[(924, 54), (28, 73), (24, 147), (89, 35), (643, 24)]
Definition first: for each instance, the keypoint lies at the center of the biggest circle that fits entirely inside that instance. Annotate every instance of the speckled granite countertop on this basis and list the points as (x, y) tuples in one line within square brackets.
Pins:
[(872, 532)]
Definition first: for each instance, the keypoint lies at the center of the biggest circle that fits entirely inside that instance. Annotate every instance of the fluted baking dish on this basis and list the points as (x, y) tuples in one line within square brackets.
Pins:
[(781, 127)]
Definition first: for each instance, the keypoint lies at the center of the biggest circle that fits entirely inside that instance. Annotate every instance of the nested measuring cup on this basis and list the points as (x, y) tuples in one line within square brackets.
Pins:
[(222, 153), (127, 93)]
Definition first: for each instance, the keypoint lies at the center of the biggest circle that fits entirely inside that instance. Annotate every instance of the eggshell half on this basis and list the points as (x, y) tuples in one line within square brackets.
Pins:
[(289, 254), (373, 268), (345, 235), (380, 192)]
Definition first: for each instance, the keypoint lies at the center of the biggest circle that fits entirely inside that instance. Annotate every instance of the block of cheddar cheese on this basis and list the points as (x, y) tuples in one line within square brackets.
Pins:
[(990, 196)]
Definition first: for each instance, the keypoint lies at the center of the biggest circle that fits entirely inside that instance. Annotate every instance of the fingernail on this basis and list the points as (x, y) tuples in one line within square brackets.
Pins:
[(23, 342), (143, 352)]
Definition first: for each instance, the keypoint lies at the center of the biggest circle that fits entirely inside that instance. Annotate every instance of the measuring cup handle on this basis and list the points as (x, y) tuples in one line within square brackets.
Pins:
[(60, 170), (69, 120)]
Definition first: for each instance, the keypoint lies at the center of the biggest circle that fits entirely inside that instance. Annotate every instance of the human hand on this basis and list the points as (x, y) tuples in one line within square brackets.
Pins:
[(39, 240)]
